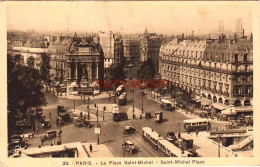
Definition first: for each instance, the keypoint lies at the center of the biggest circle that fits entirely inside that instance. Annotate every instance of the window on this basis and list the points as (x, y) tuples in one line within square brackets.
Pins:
[(245, 57), (196, 54), (215, 64), (237, 68), (246, 68), (220, 77), (236, 57)]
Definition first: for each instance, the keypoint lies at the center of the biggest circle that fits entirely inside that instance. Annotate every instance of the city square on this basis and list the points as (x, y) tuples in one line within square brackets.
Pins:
[(103, 93)]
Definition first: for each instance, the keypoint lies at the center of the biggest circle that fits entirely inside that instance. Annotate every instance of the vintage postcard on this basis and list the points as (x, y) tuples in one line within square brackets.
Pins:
[(109, 83)]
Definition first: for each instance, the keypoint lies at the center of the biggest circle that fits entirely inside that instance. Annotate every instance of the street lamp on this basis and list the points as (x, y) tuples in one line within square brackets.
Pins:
[(219, 137), (179, 135), (88, 113), (142, 93), (74, 105), (133, 108), (97, 116)]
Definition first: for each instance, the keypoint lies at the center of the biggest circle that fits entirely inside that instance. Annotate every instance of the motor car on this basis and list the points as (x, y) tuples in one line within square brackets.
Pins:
[(129, 129), (46, 123), (66, 117), (17, 143), (61, 109), (148, 115), (130, 147), (79, 122), (50, 134), (60, 121), (171, 135)]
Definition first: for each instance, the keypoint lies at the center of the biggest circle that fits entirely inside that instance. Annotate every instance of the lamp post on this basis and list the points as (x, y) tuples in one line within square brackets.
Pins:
[(84, 100), (179, 135), (74, 105), (219, 137), (97, 117), (142, 93)]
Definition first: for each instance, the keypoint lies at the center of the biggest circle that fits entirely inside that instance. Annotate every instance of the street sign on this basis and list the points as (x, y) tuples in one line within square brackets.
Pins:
[(97, 130)]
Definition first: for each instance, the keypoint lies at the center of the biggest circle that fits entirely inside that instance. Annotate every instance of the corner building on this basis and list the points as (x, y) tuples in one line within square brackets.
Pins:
[(217, 70), (74, 59)]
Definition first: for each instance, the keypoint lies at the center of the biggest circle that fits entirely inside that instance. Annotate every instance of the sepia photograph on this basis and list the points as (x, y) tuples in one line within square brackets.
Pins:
[(129, 80)]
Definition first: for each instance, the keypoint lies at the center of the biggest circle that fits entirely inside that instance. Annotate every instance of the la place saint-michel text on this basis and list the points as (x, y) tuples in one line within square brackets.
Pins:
[(143, 162)]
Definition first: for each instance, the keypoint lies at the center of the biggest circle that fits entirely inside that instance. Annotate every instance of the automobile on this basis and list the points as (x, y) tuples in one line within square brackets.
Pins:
[(129, 129), (130, 147), (17, 143), (171, 135), (61, 109), (15, 137), (148, 115), (79, 122), (50, 134), (42, 118), (66, 117), (47, 123), (60, 121)]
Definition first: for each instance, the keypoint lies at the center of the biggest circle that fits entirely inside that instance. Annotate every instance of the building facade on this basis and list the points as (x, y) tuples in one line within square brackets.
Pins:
[(132, 49), (218, 70), (150, 48), (76, 59)]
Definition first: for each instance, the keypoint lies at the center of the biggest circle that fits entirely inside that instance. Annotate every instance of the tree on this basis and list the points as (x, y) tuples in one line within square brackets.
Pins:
[(31, 62), (24, 88), (147, 70), (45, 70), (116, 71)]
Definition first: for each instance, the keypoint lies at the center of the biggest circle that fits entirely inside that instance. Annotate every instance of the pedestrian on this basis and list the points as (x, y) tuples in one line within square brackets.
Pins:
[(85, 116), (188, 131), (81, 114), (50, 114), (42, 141), (53, 141), (98, 139), (93, 94), (95, 105), (37, 130), (90, 148), (197, 132)]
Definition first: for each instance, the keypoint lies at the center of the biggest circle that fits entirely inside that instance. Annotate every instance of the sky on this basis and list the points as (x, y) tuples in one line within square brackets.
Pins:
[(128, 17)]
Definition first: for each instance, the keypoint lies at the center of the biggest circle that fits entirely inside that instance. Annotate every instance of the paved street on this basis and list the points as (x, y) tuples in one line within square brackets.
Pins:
[(112, 132)]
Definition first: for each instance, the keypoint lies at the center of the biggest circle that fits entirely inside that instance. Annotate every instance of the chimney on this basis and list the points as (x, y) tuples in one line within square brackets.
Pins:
[(251, 37), (243, 33), (182, 36)]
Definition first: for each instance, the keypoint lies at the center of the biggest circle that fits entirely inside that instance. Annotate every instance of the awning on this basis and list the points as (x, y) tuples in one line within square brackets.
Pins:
[(229, 111), (205, 102), (196, 98), (244, 109), (220, 106)]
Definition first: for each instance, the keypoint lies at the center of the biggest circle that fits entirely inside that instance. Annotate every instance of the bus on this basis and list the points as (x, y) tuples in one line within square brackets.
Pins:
[(167, 105), (197, 124), (115, 112)]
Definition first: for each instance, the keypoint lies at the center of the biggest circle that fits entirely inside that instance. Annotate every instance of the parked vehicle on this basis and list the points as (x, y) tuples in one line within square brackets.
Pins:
[(66, 117), (60, 121), (167, 105), (148, 115), (130, 147), (129, 129), (47, 123), (50, 134), (61, 109), (171, 135), (82, 123), (197, 124)]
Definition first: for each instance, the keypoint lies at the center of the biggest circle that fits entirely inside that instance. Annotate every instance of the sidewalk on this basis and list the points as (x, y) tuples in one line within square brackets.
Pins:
[(183, 112), (99, 151)]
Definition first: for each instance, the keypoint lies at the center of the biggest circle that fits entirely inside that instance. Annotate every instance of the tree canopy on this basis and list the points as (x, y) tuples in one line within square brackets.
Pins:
[(24, 86), (147, 70)]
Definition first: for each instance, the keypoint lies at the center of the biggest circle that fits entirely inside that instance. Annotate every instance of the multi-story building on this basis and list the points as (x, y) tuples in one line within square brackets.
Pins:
[(34, 49), (218, 70), (150, 48), (77, 59), (112, 46), (132, 49)]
